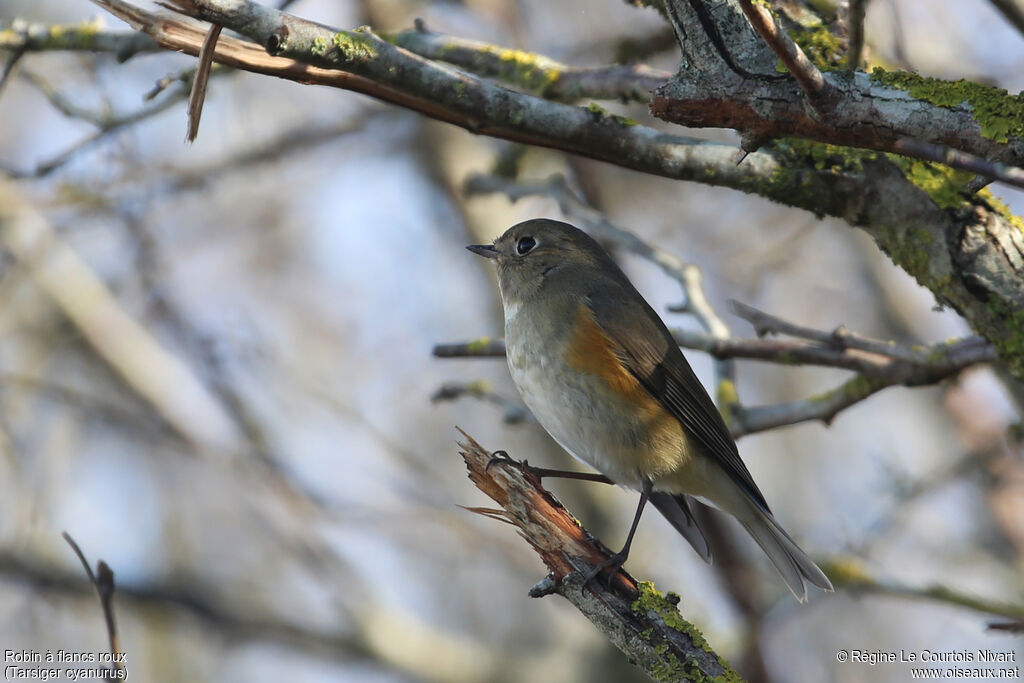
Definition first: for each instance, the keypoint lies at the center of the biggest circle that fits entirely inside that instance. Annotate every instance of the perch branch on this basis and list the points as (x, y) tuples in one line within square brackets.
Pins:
[(632, 615)]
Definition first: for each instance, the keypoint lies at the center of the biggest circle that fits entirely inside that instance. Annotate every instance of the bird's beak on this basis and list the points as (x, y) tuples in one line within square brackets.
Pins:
[(485, 250)]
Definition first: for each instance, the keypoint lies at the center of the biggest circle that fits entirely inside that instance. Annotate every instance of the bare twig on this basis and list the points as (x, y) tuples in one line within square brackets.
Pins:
[(484, 347), (428, 653), (107, 123), (855, 44), (820, 92), (103, 581), (849, 573), (515, 411), (1012, 11), (1007, 626), (954, 158), (958, 354), (646, 626), (62, 103), (200, 81)]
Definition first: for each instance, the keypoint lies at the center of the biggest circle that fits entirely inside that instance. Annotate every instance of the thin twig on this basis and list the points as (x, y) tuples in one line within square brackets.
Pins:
[(849, 573), (484, 347), (106, 123), (103, 582), (515, 411), (200, 81), (9, 64), (1012, 12), (955, 158), (820, 93), (855, 45)]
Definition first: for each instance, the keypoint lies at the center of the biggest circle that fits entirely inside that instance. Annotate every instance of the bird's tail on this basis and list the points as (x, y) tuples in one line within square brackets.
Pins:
[(793, 563), (677, 510)]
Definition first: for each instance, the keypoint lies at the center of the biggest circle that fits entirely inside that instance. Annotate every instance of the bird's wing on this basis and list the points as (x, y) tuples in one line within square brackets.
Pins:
[(652, 356)]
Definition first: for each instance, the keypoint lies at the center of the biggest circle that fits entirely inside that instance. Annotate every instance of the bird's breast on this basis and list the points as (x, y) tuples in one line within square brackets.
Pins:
[(570, 378)]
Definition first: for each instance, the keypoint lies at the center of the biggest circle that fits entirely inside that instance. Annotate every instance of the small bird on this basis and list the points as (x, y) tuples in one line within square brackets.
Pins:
[(603, 375)]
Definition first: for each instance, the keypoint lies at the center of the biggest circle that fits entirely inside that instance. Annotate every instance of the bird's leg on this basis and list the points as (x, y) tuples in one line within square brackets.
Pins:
[(541, 472), (616, 561)]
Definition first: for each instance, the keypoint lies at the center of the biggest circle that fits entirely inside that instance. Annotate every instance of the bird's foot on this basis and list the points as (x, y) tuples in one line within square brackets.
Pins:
[(613, 563), (503, 458)]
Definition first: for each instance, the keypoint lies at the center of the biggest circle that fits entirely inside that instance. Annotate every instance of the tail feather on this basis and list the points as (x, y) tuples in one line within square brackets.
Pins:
[(676, 509), (792, 562)]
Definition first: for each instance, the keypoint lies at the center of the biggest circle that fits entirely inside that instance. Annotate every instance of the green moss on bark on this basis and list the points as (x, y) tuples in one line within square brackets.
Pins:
[(999, 114)]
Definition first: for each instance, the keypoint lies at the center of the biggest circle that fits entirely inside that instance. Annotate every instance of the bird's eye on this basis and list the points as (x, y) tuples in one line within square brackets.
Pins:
[(525, 244)]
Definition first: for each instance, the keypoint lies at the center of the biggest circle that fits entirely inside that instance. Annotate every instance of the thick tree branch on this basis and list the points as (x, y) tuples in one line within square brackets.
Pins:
[(872, 111), (646, 626)]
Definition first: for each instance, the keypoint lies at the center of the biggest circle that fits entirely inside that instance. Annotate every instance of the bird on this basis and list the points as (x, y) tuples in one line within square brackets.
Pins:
[(604, 377)]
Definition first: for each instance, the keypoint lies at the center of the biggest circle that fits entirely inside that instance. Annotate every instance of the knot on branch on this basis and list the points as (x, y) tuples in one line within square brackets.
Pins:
[(278, 41)]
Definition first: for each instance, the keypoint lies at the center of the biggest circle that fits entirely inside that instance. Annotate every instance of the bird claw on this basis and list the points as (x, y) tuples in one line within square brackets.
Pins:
[(504, 458), (614, 563)]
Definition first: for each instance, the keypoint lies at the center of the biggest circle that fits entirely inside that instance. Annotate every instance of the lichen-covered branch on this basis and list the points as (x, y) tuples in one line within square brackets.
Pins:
[(870, 111), (532, 72), (645, 625), (86, 37)]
